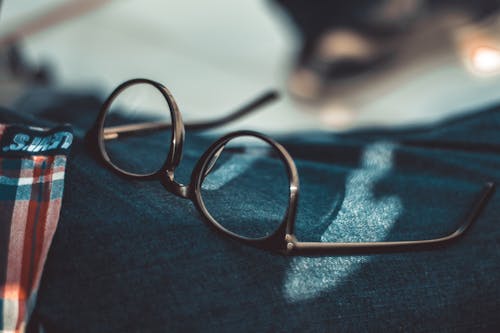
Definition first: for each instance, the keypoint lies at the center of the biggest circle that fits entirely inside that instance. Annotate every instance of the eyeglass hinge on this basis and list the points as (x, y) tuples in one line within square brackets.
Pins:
[(290, 243)]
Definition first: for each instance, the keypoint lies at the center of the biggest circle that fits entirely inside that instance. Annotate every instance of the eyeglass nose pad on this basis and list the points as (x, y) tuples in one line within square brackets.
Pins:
[(213, 161)]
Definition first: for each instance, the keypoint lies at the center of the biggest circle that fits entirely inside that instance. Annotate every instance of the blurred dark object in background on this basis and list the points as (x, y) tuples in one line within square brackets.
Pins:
[(16, 74), (343, 39), (355, 63)]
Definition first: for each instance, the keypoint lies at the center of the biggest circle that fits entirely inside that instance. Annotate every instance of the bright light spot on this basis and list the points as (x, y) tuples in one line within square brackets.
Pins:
[(337, 116), (486, 60)]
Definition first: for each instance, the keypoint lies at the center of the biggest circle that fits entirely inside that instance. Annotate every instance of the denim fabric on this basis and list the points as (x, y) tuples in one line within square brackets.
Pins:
[(130, 257)]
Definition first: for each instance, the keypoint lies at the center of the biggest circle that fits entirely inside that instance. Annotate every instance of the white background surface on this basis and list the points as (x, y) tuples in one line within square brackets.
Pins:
[(215, 55)]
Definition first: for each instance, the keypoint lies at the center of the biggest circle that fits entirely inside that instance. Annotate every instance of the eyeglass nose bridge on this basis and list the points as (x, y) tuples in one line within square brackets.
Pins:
[(178, 189)]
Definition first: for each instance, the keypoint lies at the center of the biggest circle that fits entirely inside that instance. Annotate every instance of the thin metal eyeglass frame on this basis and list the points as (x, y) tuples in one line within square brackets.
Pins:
[(283, 240)]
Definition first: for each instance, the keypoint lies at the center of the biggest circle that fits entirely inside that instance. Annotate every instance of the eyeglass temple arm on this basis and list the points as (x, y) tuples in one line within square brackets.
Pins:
[(267, 97), (327, 248)]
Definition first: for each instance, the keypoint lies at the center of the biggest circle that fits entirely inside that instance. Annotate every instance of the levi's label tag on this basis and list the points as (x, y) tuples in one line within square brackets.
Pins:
[(24, 140)]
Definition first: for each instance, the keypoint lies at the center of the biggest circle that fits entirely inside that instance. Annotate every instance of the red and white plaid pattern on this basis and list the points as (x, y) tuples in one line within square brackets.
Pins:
[(31, 189)]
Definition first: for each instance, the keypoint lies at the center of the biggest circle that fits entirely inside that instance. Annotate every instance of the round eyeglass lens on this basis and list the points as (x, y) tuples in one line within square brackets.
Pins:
[(246, 187), (137, 132)]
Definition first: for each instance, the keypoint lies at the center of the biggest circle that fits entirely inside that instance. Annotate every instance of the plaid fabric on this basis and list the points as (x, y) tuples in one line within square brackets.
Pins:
[(32, 167)]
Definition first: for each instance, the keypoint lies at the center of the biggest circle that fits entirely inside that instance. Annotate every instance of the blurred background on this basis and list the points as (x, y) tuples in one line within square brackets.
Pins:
[(337, 65)]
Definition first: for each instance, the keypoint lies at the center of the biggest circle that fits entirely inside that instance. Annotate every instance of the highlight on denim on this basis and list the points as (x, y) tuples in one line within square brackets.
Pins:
[(32, 167)]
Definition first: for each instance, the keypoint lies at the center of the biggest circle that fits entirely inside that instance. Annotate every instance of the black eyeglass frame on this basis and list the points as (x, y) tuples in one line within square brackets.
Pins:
[(283, 240)]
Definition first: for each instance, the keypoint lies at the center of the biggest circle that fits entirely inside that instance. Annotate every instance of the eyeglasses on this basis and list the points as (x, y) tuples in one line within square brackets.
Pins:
[(242, 153)]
